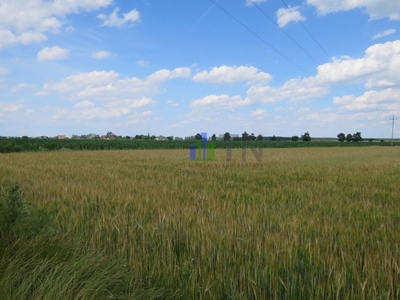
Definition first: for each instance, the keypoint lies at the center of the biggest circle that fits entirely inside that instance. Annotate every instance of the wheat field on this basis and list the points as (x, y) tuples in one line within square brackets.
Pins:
[(305, 223)]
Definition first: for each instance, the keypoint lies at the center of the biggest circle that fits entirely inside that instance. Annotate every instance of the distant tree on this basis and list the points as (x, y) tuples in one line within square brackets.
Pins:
[(92, 136), (357, 137), (128, 137), (306, 137), (273, 138), (214, 137), (198, 136), (341, 137), (227, 136), (245, 136), (252, 137), (295, 138), (153, 137), (110, 134), (349, 137), (260, 137), (170, 138)]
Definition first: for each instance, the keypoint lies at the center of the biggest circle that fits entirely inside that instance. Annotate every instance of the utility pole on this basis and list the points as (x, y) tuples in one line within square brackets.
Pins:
[(393, 119)]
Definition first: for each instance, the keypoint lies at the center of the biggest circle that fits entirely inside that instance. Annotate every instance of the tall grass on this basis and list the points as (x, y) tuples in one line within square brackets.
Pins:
[(303, 224)]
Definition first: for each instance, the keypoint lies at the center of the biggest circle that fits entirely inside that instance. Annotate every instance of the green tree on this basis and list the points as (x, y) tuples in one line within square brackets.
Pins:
[(260, 137), (356, 137), (349, 137), (295, 138), (214, 137), (273, 138), (245, 136), (341, 137), (198, 136), (306, 137), (227, 136), (252, 137)]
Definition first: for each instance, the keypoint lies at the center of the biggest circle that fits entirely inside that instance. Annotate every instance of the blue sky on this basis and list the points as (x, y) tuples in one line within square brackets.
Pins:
[(181, 67)]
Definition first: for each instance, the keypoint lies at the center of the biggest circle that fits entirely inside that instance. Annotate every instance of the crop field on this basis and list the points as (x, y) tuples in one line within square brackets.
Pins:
[(305, 223)]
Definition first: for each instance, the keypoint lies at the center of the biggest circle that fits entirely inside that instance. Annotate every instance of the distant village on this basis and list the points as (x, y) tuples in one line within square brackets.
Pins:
[(112, 136)]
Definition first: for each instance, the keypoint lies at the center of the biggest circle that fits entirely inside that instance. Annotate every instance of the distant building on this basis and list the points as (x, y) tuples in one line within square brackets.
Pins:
[(61, 137)]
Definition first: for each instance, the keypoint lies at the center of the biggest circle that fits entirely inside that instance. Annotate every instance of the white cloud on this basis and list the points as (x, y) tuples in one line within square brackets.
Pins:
[(69, 29), (222, 100), (384, 33), (181, 73), (22, 86), (90, 113), (53, 53), (250, 2), (26, 21), (287, 15), (108, 86), (3, 71), (372, 100), (172, 103), (375, 9), (84, 104), (7, 38), (147, 113), (142, 63), (225, 75), (258, 113), (100, 54), (378, 68), (113, 20), (9, 107)]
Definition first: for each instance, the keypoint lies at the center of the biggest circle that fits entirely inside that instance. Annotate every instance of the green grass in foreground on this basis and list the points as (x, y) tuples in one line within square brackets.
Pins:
[(309, 223)]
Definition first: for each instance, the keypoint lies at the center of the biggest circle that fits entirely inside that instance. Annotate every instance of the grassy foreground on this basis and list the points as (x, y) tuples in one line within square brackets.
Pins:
[(305, 223)]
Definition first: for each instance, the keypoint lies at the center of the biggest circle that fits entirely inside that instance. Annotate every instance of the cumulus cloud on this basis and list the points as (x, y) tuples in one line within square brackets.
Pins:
[(378, 68), (84, 104), (371, 101), (384, 33), (22, 86), (8, 38), (375, 9), (52, 53), (25, 21), (100, 54), (9, 107), (113, 20), (147, 113), (110, 87), (287, 15), (222, 100), (172, 103), (258, 113), (226, 75)]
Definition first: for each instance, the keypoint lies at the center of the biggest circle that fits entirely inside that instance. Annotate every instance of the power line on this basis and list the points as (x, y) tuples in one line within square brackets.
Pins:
[(293, 40), (259, 37), (301, 23), (315, 40)]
